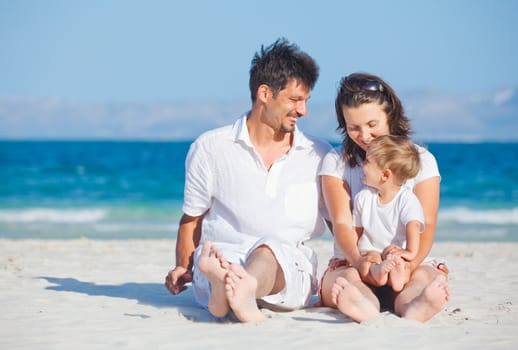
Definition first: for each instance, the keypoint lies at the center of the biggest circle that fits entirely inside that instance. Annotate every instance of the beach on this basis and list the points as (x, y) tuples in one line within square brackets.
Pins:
[(105, 294)]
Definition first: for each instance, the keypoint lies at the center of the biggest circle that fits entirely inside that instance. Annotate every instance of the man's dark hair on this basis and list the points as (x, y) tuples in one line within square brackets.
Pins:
[(280, 63)]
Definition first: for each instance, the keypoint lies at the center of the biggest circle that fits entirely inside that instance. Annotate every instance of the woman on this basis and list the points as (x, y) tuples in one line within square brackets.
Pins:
[(367, 107)]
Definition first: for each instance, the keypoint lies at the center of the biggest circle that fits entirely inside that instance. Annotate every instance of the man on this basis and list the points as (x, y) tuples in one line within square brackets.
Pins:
[(252, 197)]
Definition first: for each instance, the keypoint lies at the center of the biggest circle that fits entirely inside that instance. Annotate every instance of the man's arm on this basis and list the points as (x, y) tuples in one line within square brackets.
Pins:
[(189, 233)]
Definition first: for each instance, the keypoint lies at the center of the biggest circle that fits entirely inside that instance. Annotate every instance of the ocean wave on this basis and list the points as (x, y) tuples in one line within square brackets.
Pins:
[(479, 216), (131, 219), (52, 215), (141, 227)]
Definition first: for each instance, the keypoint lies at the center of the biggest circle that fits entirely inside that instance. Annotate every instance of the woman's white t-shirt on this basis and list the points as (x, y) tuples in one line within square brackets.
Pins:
[(335, 165)]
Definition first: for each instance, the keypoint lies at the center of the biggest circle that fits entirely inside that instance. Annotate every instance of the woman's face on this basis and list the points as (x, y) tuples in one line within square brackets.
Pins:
[(365, 123)]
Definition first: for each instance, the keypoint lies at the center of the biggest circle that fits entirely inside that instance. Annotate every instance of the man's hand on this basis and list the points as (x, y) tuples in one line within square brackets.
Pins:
[(177, 278)]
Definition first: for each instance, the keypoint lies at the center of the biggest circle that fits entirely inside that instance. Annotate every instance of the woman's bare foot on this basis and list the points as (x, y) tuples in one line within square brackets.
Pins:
[(399, 275), (215, 267), (351, 302), (336, 289), (430, 301), (240, 288)]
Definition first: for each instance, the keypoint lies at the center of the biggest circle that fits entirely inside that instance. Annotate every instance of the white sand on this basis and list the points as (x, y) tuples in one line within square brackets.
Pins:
[(88, 294)]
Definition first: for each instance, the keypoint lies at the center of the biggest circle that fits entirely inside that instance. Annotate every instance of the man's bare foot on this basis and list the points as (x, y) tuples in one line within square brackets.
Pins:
[(351, 302), (399, 275), (215, 267), (240, 288), (380, 272), (430, 301)]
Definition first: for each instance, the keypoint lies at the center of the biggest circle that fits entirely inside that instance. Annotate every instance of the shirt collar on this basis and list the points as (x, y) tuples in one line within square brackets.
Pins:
[(240, 134)]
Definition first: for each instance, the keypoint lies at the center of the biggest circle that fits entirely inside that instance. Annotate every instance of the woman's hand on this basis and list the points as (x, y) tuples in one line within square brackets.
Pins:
[(392, 250), (371, 257), (443, 268)]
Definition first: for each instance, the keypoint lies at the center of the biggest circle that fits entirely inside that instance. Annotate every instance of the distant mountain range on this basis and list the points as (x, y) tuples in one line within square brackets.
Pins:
[(435, 116)]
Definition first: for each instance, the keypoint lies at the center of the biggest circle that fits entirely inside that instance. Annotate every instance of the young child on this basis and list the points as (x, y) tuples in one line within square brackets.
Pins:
[(386, 213)]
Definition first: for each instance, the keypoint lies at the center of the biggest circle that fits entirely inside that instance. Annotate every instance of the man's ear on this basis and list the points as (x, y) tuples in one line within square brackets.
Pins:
[(263, 92)]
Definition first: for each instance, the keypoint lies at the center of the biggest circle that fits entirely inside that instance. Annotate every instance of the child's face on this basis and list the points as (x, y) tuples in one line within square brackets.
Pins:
[(373, 173)]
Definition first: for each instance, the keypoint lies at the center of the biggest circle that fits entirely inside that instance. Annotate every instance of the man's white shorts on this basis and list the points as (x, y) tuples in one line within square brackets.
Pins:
[(298, 263)]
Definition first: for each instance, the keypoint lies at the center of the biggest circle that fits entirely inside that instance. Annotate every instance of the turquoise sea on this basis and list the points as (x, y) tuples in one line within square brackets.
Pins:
[(122, 190)]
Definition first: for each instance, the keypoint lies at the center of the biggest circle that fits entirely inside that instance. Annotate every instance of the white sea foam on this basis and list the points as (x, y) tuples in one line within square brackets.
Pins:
[(131, 227), (52, 215), (479, 216)]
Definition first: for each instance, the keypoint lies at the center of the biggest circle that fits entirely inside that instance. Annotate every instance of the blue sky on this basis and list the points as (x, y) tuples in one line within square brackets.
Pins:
[(175, 51)]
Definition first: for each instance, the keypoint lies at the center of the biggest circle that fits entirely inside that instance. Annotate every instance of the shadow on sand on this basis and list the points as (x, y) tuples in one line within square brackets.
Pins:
[(153, 294)]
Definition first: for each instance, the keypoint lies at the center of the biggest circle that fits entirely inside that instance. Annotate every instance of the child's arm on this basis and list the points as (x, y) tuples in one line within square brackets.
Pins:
[(359, 232), (413, 231)]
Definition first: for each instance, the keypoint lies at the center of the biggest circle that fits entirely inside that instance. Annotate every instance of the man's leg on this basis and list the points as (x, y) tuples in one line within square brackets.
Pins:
[(215, 267), (261, 276)]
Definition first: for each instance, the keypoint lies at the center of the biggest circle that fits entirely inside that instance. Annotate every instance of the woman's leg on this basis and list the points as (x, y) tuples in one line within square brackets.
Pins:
[(326, 285), (349, 294), (424, 295)]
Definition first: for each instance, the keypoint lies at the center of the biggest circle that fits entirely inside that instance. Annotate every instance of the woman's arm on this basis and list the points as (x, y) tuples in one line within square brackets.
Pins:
[(413, 232), (428, 192), (337, 198)]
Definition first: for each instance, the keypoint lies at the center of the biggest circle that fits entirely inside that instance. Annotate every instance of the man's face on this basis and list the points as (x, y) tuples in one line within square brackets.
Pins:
[(287, 107)]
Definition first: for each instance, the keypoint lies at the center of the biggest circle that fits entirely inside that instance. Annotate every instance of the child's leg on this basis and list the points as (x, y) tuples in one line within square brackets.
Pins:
[(399, 275), (364, 269), (380, 272)]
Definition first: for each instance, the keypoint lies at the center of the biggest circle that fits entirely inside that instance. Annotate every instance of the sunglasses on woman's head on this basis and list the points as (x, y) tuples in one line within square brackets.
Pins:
[(365, 84)]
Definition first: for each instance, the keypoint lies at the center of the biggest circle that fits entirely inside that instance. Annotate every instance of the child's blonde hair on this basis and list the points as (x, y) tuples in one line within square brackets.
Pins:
[(397, 153)]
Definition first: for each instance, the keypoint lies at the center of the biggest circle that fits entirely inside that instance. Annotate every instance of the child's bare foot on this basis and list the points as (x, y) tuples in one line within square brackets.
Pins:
[(380, 272), (240, 288), (430, 301), (351, 302), (399, 275), (215, 267)]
